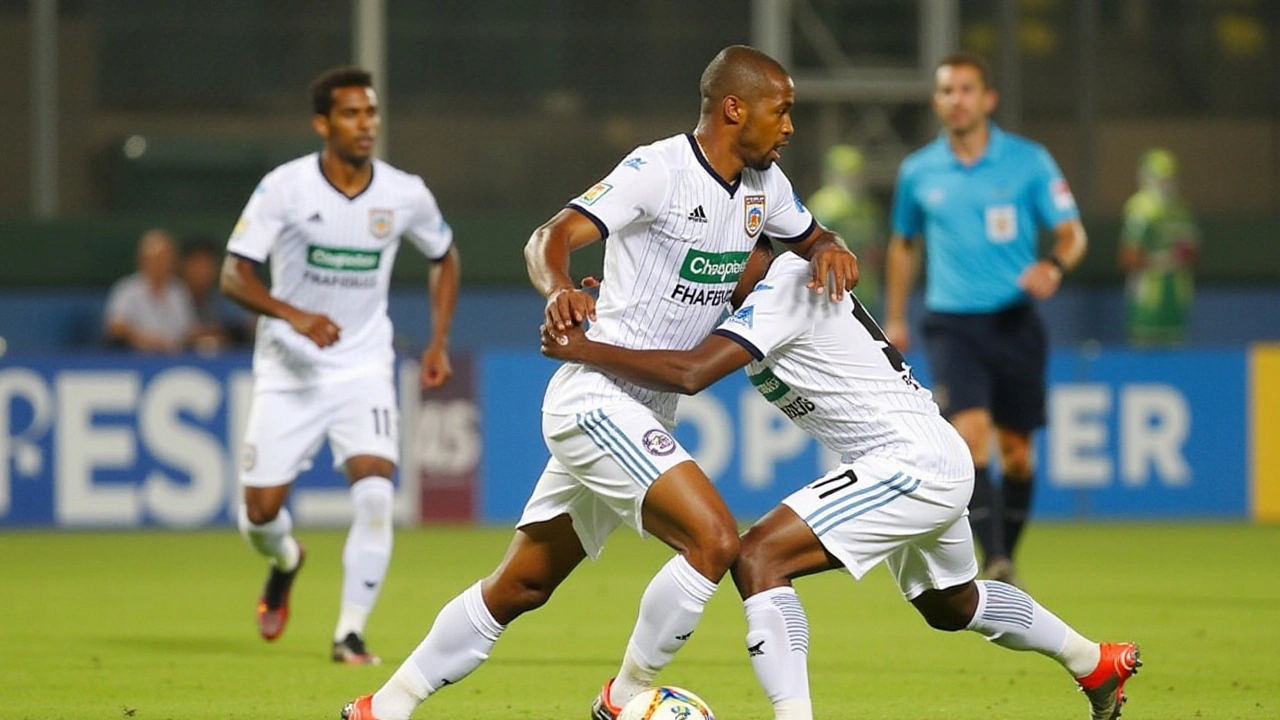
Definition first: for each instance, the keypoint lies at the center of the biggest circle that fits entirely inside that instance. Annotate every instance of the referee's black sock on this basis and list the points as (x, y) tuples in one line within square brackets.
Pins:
[(1017, 508), (984, 516)]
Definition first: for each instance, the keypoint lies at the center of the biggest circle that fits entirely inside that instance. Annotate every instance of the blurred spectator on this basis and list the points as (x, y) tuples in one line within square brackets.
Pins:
[(1158, 246), (843, 205), (150, 310), (220, 323)]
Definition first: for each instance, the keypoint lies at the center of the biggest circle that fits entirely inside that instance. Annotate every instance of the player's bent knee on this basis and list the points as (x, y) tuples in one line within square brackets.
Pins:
[(714, 552), (948, 610)]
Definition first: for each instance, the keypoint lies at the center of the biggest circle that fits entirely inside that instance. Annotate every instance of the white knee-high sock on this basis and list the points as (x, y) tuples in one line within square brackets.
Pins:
[(273, 539), (459, 641), (367, 553), (778, 646), (669, 611), (1010, 618)]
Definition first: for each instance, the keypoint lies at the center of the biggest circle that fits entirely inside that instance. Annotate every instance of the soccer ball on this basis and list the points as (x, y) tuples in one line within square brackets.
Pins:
[(666, 703)]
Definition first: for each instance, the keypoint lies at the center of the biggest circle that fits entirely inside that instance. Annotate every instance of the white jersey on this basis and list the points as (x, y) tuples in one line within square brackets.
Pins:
[(333, 255), (677, 237), (829, 368)]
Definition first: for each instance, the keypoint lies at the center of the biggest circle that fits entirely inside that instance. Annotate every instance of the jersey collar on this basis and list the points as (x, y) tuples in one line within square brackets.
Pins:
[(373, 167), (730, 188), (995, 146)]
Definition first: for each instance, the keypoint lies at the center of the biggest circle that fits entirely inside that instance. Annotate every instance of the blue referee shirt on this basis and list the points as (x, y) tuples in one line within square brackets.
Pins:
[(982, 222)]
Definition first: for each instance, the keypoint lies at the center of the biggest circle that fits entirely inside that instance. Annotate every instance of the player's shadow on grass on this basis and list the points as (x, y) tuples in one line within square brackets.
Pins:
[(188, 645)]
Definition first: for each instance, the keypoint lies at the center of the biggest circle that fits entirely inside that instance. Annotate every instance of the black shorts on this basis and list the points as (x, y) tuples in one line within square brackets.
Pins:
[(990, 360)]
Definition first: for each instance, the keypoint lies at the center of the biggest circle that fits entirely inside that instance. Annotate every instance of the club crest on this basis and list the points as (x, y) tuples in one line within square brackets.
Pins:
[(753, 205), (659, 442), (380, 222)]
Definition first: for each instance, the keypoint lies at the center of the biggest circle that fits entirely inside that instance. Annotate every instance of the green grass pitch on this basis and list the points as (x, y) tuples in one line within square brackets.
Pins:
[(159, 626)]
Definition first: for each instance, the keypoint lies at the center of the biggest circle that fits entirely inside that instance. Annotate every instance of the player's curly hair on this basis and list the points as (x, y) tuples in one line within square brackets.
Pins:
[(340, 77)]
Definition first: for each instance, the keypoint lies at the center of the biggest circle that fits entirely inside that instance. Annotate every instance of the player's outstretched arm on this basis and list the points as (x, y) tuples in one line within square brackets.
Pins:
[(239, 281), (833, 262), (684, 371), (546, 257)]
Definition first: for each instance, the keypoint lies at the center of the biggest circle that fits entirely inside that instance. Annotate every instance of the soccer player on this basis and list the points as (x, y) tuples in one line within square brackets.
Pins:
[(979, 197), (680, 216), (897, 496), (331, 223)]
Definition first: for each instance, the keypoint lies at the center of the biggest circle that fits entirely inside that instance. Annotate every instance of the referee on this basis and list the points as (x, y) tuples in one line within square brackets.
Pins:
[(979, 197)]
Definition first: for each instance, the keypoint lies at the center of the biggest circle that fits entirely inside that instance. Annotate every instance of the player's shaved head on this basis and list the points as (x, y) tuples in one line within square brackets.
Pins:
[(741, 71)]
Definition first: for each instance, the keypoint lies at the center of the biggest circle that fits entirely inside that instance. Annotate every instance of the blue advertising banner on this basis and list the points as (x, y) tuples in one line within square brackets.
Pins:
[(1130, 435), (122, 441)]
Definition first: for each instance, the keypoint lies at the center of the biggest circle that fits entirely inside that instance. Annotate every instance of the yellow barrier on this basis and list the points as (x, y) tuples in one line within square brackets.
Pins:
[(1264, 369)]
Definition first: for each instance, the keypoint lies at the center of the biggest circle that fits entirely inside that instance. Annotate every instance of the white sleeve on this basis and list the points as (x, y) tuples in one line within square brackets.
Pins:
[(261, 221), (787, 220), (773, 315), (633, 192), (428, 230)]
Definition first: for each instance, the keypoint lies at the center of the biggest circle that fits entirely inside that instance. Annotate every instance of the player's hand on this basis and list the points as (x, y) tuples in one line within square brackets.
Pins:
[(898, 334), (436, 368), (570, 306), (564, 344), (1041, 279), (319, 328), (835, 263)]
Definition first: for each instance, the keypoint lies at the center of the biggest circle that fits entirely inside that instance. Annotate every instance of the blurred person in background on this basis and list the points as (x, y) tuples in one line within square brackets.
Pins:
[(150, 310), (323, 367), (844, 205), (220, 323), (1159, 245), (979, 198)]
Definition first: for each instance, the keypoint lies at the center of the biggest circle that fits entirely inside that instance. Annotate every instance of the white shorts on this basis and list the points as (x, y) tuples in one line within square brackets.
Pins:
[(285, 428), (601, 465), (877, 509)]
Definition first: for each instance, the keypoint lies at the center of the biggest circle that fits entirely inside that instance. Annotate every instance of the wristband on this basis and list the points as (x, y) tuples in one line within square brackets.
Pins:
[(1056, 261)]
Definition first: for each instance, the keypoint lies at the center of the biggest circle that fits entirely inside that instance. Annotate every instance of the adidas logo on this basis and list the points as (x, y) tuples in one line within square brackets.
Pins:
[(315, 218), (698, 215)]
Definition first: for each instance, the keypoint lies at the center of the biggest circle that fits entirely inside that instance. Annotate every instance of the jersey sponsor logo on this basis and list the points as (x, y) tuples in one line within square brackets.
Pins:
[(343, 258), (659, 442), (1063, 200), (770, 386), (745, 316), (690, 295), (698, 215), (753, 207), (713, 268), (340, 280), (634, 163), (598, 191), (381, 222), (1002, 223)]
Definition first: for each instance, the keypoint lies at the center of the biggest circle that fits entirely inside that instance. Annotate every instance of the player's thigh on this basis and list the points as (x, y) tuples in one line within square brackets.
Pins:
[(283, 432), (941, 559), (365, 419), (557, 494), (1021, 351), (960, 378), (684, 510), (868, 510), (617, 454)]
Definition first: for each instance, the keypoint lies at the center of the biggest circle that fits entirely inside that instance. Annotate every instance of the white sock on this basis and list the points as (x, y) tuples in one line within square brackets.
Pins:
[(367, 553), (273, 539), (458, 642), (669, 611), (778, 646), (1010, 618)]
